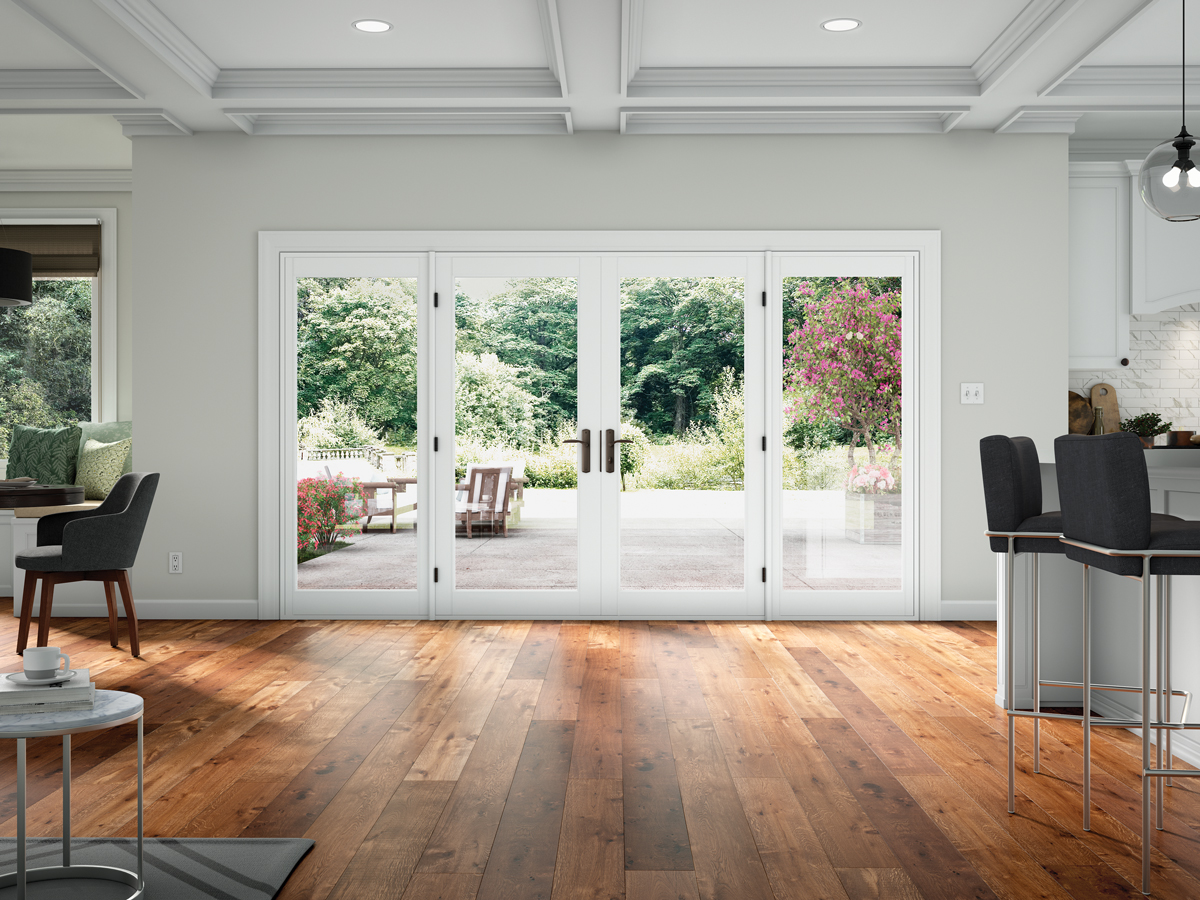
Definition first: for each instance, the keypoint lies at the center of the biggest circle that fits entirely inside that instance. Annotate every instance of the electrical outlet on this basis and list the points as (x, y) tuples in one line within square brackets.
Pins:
[(970, 392), (175, 562)]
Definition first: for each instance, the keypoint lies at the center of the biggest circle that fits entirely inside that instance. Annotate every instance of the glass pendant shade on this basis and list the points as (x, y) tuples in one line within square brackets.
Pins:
[(16, 277), (1170, 182)]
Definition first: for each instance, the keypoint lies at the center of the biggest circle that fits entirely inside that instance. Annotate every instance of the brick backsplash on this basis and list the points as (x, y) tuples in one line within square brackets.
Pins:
[(1163, 374)]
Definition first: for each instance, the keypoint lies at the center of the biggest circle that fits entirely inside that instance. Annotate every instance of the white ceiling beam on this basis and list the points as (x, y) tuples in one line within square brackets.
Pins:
[(792, 120), (1130, 82), (552, 40), (79, 48), (1065, 73), (380, 120), (66, 180), (1039, 120), (59, 84), (814, 81), (632, 22), (133, 121), (146, 22), (1019, 39), (328, 84), (1104, 149)]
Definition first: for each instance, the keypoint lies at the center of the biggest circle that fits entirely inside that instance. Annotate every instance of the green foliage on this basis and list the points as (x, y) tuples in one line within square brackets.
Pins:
[(491, 404), (1146, 425), (46, 358), (677, 336), (336, 425), (357, 342), (323, 507), (633, 455)]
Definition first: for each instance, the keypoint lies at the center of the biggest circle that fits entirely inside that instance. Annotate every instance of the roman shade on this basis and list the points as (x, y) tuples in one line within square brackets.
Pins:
[(59, 251)]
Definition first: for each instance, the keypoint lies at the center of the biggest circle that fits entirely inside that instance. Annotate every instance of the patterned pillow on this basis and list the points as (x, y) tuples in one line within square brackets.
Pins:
[(101, 466), (47, 454)]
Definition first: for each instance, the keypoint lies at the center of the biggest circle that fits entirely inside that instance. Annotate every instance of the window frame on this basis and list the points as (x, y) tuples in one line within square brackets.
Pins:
[(104, 295)]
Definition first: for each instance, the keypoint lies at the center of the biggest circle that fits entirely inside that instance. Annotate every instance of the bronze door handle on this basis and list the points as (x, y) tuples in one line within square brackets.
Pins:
[(610, 453), (587, 448)]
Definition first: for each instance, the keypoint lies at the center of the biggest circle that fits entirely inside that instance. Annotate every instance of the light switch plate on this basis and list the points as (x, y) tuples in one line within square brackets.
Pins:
[(970, 392)]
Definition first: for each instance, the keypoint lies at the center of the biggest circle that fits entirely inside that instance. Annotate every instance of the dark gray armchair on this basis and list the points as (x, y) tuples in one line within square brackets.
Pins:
[(98, 544)]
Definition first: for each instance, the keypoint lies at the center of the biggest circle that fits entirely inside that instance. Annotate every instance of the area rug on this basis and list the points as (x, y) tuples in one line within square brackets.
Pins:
[(176, 868)]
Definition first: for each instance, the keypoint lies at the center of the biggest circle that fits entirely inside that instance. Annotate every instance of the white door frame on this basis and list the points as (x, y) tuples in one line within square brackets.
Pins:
[(275, 246)]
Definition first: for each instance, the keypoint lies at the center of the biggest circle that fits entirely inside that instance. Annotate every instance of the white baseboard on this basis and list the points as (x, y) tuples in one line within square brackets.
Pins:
[(158, 609), (968, 610)]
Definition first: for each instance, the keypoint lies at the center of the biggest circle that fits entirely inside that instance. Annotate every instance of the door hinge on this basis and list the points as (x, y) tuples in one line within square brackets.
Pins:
[(764, 443), (764, 575), (435, 300), (435, 574), (435, 447), (764, 298)]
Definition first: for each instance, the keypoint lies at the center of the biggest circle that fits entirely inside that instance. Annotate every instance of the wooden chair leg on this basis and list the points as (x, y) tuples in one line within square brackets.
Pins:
[(110, 597), (135, 647), (43, 638), (26, 610)]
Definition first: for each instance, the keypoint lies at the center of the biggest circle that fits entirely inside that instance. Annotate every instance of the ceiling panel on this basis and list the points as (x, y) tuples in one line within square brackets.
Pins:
[(26, 44), (788, 32), (286, 34), (63, 142), (1152, 39)]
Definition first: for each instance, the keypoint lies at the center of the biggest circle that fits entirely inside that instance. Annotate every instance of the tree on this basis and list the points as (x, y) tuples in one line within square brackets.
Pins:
[(677, 335), (843, 365), (357, 342), (491, 404)]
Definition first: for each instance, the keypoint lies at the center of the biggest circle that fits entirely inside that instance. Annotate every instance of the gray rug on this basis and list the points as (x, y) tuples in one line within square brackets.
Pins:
[(176, 868)]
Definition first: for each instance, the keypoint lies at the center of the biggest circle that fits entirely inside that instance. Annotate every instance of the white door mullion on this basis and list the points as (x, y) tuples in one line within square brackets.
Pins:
[(610, 379), (754, 425), (442, 438), (427, 400)]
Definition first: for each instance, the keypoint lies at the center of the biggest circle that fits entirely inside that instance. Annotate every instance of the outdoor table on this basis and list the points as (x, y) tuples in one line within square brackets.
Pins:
[(112, 708), (20, 496), (396, 486)]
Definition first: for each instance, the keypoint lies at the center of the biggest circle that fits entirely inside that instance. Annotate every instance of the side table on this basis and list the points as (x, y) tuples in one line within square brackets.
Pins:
[(112, 708)]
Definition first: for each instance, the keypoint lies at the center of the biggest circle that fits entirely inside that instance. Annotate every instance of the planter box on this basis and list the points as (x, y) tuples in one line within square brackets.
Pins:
[(873, 518)]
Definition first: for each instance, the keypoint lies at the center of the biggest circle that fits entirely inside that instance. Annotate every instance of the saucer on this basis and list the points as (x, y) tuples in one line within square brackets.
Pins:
[(19, 678)]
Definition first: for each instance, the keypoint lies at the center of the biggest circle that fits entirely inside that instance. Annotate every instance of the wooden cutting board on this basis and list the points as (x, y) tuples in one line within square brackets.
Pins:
[(1079, 414), (1104, 396)]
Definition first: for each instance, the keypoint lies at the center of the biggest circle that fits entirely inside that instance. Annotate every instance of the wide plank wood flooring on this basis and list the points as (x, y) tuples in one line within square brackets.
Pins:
[(639, 760)]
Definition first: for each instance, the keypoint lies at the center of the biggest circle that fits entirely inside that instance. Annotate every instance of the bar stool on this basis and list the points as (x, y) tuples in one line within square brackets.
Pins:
[(1104, 490)]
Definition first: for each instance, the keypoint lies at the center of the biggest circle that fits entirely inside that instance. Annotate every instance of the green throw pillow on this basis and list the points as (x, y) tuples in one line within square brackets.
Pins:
[(45, 454), (106, 433), (101, 466)]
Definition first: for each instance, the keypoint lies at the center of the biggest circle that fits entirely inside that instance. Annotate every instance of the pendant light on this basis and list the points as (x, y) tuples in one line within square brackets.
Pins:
[(1169, 179), (16, 277)]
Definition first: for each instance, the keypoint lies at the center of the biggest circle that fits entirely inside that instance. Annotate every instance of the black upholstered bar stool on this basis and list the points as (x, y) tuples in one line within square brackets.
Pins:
[(1104, 490), (1012, 491)]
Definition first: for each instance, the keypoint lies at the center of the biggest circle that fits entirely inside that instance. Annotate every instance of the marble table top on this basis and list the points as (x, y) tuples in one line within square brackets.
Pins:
[(112, 708)]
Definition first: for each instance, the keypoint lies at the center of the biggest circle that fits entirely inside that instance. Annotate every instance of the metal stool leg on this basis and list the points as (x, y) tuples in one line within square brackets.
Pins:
[(1146, 725), (1158, 704), (1166, 652), (1009, 679), (1087, 699), (1035, 652)]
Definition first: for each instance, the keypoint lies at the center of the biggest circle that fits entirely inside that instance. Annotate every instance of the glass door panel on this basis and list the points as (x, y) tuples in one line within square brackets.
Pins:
[(844, 538)]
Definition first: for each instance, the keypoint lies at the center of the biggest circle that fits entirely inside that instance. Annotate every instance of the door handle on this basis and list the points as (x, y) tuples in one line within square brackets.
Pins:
[(587, 448), (610, 452)]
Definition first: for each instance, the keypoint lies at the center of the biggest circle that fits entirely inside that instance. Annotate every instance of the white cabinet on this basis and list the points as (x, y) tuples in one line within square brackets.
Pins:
[(1098, 265), (1163, 270)]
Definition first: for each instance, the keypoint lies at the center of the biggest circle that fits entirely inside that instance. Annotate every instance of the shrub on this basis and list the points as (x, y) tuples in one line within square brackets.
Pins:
[(337, 425), (322, 508)]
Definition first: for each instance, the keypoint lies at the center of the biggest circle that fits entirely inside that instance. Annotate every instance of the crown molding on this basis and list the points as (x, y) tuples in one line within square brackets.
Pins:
[(134, 122), (380, 120), (1066, 73), (1039, 120), (1020, 38), (329, 84), (1129, 82), (1105, 150), (146, 22), (899, 81), (66, 180), (1096, 169), (59, 84), (79, 48), (633, 16), (552, 40), (792, 120)]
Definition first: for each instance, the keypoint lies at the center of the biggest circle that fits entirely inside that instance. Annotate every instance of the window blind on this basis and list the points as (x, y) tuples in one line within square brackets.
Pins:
[(59, 251)]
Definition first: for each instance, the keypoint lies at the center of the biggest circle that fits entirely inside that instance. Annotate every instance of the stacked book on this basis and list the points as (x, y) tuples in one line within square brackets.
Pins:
[(78, 692)]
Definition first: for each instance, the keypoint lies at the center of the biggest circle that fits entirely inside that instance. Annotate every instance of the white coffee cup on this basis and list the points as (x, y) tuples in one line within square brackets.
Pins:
[(42, 662)]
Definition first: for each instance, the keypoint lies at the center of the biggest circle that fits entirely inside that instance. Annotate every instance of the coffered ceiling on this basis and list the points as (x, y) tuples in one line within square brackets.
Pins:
[(77, 77)]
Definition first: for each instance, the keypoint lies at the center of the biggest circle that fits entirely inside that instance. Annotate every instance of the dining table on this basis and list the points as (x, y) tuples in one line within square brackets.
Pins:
[(22, 495)]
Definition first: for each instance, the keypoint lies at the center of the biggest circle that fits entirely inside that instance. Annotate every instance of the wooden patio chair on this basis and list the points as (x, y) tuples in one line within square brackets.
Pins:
[(487, 496)]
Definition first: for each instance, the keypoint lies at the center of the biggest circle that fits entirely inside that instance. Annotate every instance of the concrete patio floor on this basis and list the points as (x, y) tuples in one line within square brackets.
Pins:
[(699, 547)]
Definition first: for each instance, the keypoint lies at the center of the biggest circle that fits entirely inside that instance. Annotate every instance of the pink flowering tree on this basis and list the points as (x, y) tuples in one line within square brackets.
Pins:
[(842, 366)]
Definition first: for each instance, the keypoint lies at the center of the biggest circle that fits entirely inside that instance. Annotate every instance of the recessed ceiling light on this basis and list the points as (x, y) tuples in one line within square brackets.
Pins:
[(841, 24), (373, 26)]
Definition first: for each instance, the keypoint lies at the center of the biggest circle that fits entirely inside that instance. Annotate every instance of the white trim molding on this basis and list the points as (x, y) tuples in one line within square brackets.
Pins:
[(1019, 39), (1040, 120), (633, 15), (59, 84), (133, 121), (146, 22), (1066, 73), (1126, 82), (402, 120), (26, 7), (839, 81), (66, 180), (331, 84), (552, 41), (1106, 150), (792, 120)]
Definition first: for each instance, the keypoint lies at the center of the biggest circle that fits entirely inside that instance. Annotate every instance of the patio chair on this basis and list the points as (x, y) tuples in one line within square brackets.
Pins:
[(487, 495)]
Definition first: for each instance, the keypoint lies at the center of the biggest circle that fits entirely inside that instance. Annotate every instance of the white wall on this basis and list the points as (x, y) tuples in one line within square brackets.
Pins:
[(999, 201)]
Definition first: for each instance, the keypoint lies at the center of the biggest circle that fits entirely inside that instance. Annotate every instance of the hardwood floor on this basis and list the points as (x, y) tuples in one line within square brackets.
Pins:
[(649, 761)]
